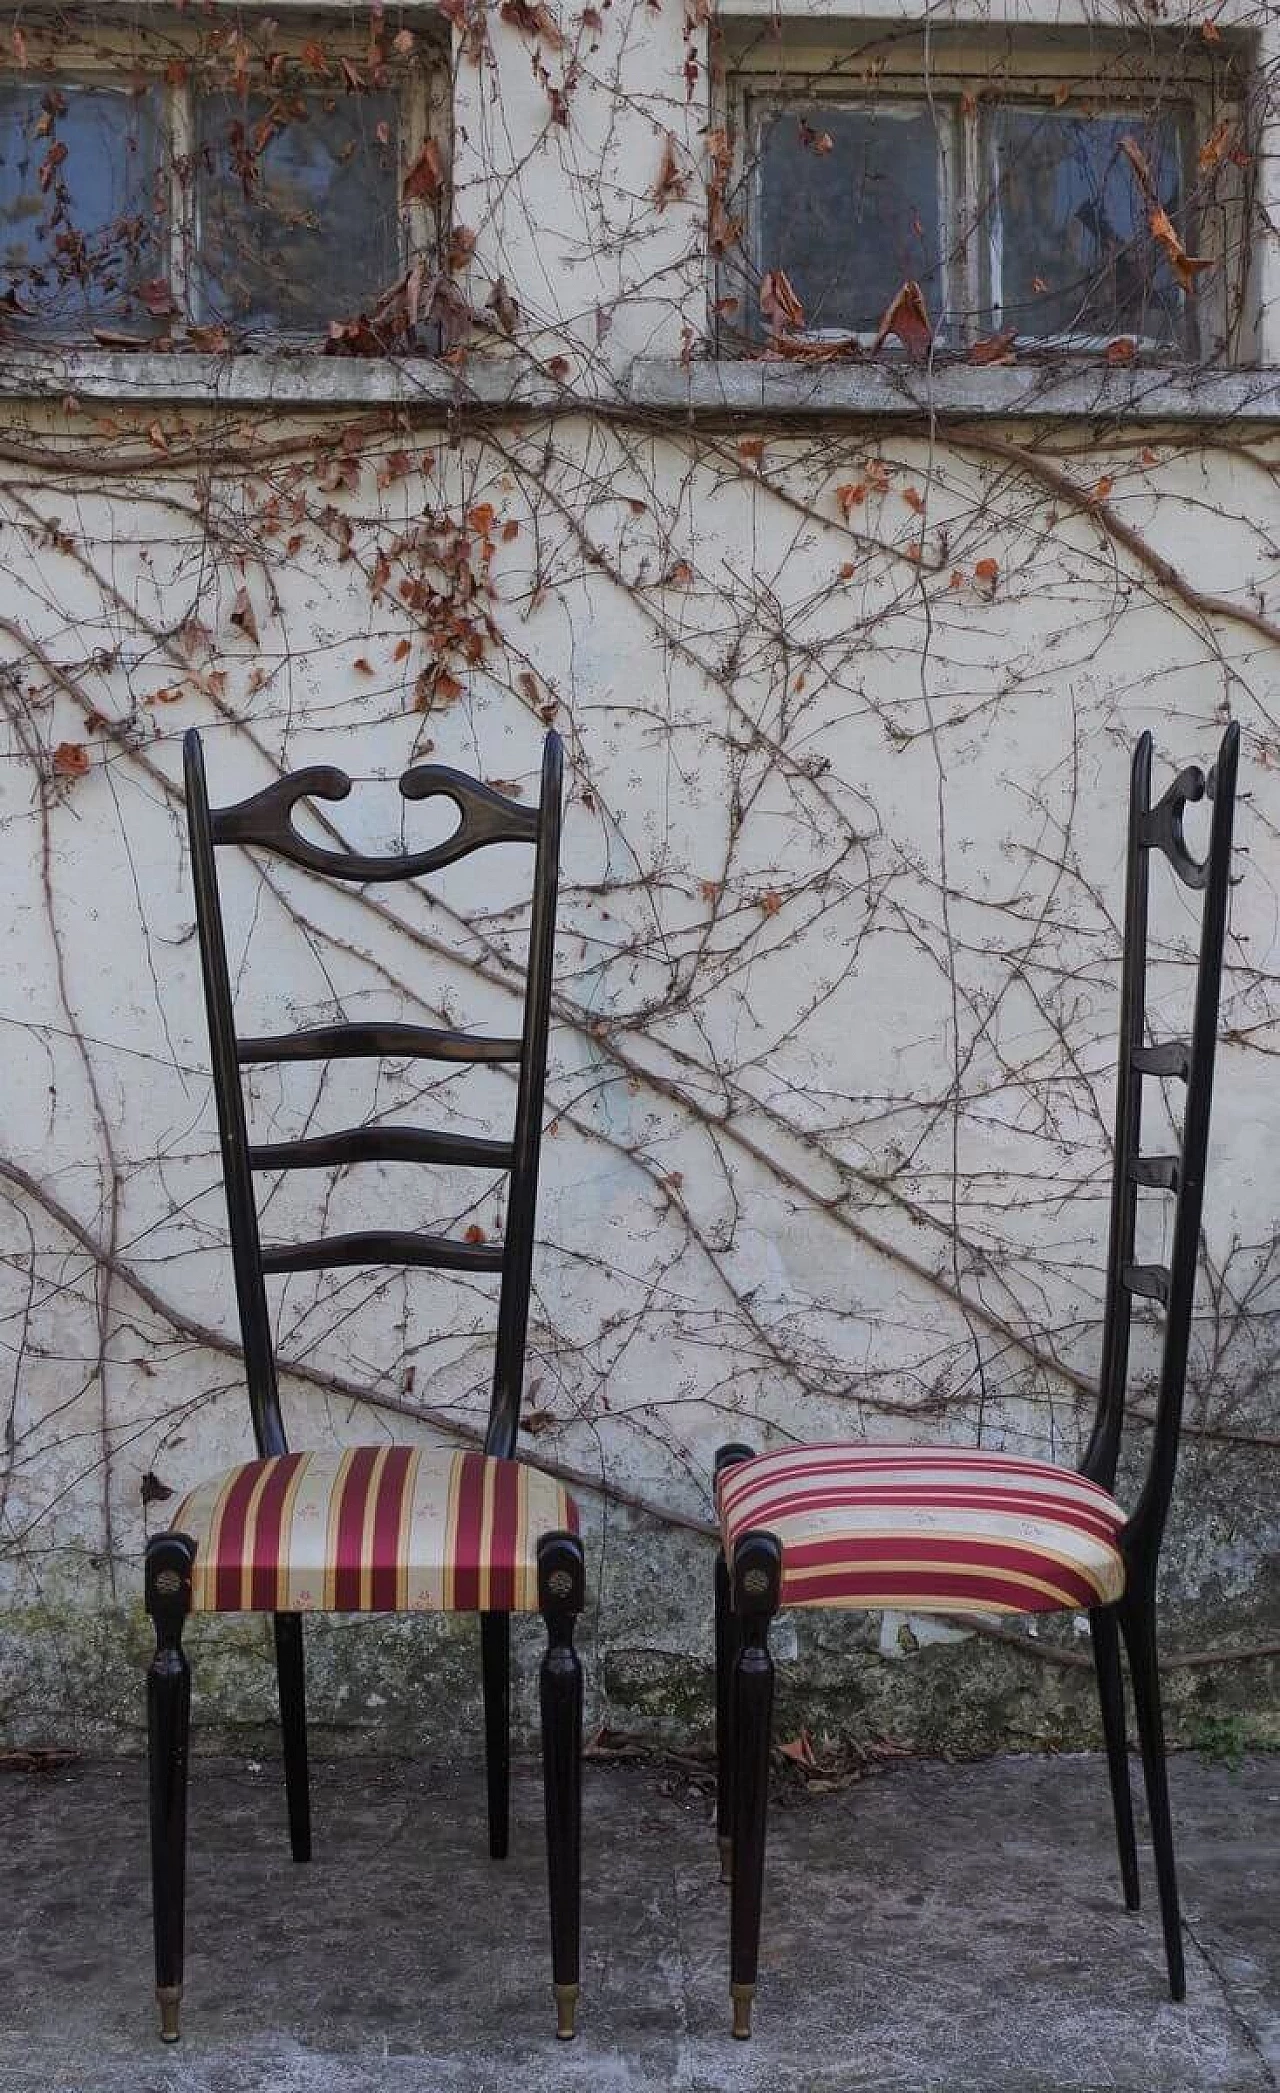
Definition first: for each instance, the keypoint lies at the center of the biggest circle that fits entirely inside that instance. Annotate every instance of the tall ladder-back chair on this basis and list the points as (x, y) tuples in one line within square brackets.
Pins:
[(945, 1529), (374, 1528)]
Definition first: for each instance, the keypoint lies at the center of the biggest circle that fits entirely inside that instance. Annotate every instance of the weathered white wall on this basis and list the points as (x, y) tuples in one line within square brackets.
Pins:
[(832, 1072)]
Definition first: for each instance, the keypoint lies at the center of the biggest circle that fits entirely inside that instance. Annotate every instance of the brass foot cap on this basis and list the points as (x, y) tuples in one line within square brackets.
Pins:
[(726, 1859), (169, 2000), (566, 2011), (742, 1995)]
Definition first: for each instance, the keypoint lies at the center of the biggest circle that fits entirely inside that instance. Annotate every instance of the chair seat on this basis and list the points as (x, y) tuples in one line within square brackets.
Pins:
[(372, 1529), (928, 1529)]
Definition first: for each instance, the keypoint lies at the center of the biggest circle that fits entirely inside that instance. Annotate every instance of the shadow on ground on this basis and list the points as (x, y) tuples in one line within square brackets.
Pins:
[(935, 1929)]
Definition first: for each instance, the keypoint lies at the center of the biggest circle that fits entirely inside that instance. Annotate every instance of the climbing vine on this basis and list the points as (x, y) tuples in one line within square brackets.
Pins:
[(846, 701)]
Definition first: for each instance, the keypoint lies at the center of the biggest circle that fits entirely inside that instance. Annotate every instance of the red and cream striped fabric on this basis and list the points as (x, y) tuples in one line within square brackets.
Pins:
[(374, 1529), (928, 1529)]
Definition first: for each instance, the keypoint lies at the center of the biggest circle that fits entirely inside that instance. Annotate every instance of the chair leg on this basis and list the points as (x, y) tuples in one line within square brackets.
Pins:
[(728, 1643), (757, 1576), (170, 1558), (561, 1596), (495, 1663), (1106, 1658), (1138, 1621), (291, 1676)]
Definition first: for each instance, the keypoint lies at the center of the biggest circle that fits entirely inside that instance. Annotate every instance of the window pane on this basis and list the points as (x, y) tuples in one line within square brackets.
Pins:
[(1076, 255), (82, 214), (297, 208), (851, 220)]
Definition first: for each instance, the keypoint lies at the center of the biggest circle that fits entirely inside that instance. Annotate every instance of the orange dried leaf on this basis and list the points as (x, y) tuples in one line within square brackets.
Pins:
[(1186, 267), (474, 1234), (987, 570), (913, 499), (1123, 350), (425, 179), (751, 449), (403, 649), (363, 663), (70, 759), (907, 317), (779, 304), (995, 348), (672, 184), (851, 496), (770, 902)]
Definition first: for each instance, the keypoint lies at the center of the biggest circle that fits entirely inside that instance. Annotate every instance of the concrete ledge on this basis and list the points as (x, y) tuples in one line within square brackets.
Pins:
[(299, 381), (956, 391)]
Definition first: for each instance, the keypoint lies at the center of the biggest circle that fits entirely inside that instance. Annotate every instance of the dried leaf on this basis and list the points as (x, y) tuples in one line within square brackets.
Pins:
[(425, 179), (533, 19), (751, 449), (907, 317), (363, 663), (242, 614), (987, 570), (1216, 145), (502, 305), (851, 496), (672, 184), (769, 902), (995, 348), (1186, 267), (779, 304), (913, 499), (474, 1234), (1122, 350), (70, 759), (153, 1491)]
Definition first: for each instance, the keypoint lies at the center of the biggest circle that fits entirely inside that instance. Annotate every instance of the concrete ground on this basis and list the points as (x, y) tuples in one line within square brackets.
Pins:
[(932, 1928)]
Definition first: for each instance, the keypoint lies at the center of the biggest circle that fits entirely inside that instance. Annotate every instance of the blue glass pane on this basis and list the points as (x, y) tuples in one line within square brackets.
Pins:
[(850, 221), (82, 210), (297, 208), (1077, 256)]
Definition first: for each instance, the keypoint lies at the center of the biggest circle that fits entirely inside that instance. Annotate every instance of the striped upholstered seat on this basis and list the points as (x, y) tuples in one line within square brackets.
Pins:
[(372, 1529), (928, 1529)]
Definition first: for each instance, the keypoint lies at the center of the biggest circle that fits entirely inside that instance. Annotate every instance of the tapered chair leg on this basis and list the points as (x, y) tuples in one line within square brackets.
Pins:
[(168, 1597), (727, 1647), (495, 1662), (1138, 1621), (728, 1642), (757, 1576), (1106, 1658), (291, 1676), (561, 1596)]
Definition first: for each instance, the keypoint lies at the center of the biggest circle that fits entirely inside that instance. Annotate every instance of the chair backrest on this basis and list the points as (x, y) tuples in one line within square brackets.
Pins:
[(1189, 1061), (266, 822)]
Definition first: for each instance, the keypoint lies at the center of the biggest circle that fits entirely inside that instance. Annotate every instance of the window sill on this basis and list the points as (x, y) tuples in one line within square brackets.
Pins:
[(298, 382), (1062, 388)]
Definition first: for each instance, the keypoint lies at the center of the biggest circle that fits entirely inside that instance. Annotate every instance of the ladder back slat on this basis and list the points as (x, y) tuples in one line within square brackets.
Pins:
[(382, 1144), (1151, 1281), (392, 1042), (1159, 1171), (436, 1253)]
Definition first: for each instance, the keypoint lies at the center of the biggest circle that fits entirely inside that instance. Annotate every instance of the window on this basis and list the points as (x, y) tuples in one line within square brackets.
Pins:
[(1041, 195), (208, 188)]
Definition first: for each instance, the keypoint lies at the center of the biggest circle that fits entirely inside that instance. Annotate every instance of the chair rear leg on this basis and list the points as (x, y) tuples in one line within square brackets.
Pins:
[(728, 1643), (170, 1558), (727, 1647), (757, 1573), (495, 1664), (291, 1676), (1106, 1658), (1138, 1621), (561, 1596)]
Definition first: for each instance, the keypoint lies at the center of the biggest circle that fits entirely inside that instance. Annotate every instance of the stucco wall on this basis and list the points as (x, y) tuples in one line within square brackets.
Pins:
[(832, 1073)]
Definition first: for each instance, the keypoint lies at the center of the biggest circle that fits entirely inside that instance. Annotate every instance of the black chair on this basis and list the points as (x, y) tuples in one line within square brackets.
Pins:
[(952, 1530), (374, 1528)]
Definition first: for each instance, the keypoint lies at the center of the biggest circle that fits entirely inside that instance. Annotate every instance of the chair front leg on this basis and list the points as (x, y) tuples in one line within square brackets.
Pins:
[(495, 1666), (561, 1597), (169, 1563), (291, 1677), (728, 1642), (1138, 1623), (1106, 1658), (757, 1583)]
